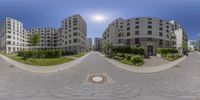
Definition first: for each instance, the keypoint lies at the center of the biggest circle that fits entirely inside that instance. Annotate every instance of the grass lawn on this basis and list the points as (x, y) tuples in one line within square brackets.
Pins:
[(79, 55), (41, 62)]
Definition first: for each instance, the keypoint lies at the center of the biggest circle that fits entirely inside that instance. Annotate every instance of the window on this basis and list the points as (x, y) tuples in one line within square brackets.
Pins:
[(8, 42), (160, 24), (75, 40), (160, 42), (149, 39), (149, 27), (167, 43), (128, 34), (167, 26), (161, 21), (119, 41), (167, 31), (128, 42), (149, 22), (128, 28), (128, 24), (69, 41), (149, 19), (167, 36), (160, 34), (75, 28), (137, 32), (160, 28), (75, 34), (137, 27), (137, 41), (137, 22), (149, 32)]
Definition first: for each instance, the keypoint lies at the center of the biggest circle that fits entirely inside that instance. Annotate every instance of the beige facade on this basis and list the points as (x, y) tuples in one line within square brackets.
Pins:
[(72, 34), (48, 37), (151, 33), (97, 44), (13, 36)]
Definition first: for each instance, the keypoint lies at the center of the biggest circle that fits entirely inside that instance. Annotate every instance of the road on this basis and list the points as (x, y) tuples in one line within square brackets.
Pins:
[(181, 82)]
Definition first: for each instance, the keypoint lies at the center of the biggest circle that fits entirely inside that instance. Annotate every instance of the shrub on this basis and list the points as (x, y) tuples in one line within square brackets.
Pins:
[(165, 51), (40, 54), (129, 50), (128, 56), (120, 54), (137, 60)]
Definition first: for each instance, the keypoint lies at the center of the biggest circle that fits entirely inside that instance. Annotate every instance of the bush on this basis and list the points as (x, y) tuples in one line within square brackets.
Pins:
[(128, 56), (165, 51), (137, 60), (129, 50), (40, 54), (120, 54)]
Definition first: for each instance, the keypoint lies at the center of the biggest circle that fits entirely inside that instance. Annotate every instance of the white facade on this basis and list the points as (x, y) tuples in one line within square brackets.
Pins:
[(89, 43), (97, 44), (13, 36), (198, 42), (48, 37), (72, 34), (191, 45), (151, 33)]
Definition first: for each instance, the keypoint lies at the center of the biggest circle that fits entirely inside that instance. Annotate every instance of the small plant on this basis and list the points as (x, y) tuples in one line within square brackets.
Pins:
[(137, 60)]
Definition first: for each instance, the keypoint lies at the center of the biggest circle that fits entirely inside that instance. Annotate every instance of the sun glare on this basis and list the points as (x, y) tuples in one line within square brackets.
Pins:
[(98, 18)]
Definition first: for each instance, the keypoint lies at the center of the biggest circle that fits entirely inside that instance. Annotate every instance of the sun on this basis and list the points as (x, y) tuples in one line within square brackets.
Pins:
[(99, 18)]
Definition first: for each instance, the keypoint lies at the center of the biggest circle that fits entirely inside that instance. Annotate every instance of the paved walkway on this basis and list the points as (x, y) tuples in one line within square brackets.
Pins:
[(154, 61), (177, 83), (145, 69), (41, 69)]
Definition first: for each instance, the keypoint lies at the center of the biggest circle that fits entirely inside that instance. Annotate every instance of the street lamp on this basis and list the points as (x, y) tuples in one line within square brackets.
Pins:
[(173, 44)]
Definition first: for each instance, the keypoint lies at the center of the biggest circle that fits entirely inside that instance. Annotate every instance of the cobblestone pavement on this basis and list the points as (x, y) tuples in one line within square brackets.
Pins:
[(181, 82), (154, 61)]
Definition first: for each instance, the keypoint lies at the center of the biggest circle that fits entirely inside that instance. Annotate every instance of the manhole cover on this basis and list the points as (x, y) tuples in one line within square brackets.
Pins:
[(97, 79)]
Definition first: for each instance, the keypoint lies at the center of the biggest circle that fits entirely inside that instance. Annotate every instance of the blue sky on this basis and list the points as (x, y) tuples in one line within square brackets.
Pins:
[(49, 13)]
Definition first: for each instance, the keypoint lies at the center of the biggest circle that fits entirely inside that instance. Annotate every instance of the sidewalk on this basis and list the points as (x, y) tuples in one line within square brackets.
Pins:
[(143, 69), (41, 69)]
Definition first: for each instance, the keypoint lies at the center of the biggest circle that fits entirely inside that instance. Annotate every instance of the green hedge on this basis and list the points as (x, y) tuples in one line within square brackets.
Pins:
[(137, 60), (40, 54), (164, 51), (129, 50)]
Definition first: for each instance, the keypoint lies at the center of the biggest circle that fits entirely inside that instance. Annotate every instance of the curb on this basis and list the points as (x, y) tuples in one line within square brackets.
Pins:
[(41, 69), (145, 70)]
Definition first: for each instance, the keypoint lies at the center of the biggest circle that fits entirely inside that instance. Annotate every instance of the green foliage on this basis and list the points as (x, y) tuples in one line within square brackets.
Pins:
[(164, 51), (137, 60), (128, 56), (34, 39), (129, 50), (40, 54), (171, 57), (66, 53)]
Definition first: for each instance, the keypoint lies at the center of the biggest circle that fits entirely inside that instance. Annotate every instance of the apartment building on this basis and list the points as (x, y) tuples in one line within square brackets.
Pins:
[(151, 33), (48, 37), (198, 42), (192, 45), (72, 34), (89, 43), (13, 36), (97, 44)]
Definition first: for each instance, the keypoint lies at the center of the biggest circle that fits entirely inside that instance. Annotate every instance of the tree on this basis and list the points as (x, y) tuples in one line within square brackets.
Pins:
[(107, 47), (34, 39)]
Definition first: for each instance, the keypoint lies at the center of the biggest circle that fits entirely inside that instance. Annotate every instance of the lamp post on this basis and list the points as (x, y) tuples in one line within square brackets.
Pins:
[(173, 44)]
